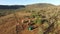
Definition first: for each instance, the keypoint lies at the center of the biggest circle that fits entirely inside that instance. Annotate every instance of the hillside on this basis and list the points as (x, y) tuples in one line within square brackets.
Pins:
[(6, 9), (41, 5), (38, 6), (11, 6), (41, 18)]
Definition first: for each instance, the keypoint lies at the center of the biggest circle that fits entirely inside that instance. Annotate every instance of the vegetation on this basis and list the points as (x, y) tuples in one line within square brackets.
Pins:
[(38, 18)]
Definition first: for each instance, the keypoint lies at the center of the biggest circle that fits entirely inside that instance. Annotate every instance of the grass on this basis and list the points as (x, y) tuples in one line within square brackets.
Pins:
[(45, 18)]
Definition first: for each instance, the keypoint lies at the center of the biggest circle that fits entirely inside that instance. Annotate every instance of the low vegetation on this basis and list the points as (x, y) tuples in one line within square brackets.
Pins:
[(32, 19)]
